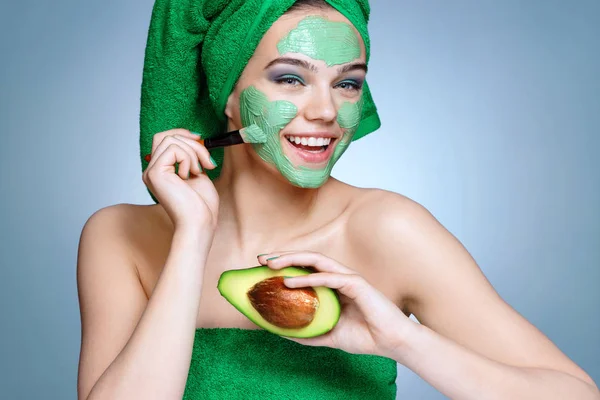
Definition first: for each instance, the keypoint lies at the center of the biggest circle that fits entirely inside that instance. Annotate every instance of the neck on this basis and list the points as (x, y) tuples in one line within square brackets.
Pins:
[(259, 208)]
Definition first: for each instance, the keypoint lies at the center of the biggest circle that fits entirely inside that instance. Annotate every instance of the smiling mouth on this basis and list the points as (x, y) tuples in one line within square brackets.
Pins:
[(314, 151), (310, 144)]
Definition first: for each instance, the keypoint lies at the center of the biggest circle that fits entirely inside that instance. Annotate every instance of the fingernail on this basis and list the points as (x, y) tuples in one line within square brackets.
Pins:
[(212, 160), (272, 258), (286, 279), (260, 255)]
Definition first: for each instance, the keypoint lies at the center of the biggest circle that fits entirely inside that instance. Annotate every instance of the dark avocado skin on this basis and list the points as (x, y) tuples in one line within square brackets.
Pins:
[(234, 284)]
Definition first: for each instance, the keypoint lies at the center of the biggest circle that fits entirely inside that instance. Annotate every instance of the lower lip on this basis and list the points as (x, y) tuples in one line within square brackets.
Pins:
[(309, 157)]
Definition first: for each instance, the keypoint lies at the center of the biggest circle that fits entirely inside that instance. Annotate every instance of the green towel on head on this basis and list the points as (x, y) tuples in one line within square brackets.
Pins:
[(195, 53), (231, 363)]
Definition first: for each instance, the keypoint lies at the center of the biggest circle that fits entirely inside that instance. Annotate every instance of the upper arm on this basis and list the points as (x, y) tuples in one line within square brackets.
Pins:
[(447, 291), (111, 297)]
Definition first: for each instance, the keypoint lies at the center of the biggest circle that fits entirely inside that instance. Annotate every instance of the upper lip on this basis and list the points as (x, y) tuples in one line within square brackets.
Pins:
[(312, 134)]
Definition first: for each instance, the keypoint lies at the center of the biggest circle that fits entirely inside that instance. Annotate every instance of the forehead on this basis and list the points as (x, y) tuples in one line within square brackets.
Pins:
[(311, 22)]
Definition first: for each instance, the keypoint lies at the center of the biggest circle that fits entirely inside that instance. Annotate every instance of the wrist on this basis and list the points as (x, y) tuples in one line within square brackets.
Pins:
[(407, 339), (197, 236)]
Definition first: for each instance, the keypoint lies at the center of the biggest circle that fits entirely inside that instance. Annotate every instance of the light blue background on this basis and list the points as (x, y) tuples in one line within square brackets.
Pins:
[(491, 119)]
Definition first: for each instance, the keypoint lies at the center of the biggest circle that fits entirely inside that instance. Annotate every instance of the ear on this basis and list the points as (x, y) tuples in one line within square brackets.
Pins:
[(231, 105)]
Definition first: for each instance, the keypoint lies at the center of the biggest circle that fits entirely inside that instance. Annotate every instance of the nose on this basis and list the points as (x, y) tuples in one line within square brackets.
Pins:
[(320, 105)]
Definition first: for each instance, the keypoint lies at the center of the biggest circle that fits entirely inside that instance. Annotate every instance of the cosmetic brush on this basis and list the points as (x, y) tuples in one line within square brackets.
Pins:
[(249, 134)]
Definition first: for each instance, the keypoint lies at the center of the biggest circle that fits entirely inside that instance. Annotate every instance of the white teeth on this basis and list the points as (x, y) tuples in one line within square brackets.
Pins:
[(311, 141)]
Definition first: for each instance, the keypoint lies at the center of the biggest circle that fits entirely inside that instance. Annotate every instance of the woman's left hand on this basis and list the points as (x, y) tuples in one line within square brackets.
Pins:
[(369, 324)]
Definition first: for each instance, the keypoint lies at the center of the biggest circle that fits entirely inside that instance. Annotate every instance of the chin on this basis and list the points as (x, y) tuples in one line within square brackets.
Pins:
[(304, 175), (306, 180)]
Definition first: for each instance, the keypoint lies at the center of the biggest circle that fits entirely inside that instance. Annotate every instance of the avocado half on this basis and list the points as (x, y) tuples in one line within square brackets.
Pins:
[(235, 284)]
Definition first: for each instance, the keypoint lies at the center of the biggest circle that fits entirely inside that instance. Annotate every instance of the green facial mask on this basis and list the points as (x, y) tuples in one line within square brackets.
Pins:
[(320, 39), (272, 117), (333, 42)]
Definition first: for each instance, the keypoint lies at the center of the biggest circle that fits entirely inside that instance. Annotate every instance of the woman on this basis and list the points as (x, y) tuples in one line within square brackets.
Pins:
[(153, 322)]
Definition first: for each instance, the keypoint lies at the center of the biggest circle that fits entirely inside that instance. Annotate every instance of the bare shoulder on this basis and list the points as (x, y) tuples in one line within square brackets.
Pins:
[(106, 227), (127, 226), (411, 247), (127, 218), (379, 206), (119, 216), (379, 220)]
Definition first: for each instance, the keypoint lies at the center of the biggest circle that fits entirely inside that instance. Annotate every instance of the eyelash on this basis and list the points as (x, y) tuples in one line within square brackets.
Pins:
[(285, 80), (355, 86)]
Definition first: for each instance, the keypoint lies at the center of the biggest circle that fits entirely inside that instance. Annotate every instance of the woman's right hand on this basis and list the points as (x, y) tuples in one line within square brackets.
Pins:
[(190, 202)]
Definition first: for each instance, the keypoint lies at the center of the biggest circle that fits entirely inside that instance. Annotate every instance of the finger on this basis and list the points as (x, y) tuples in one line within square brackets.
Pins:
[(196, 146), (166, 160), (158, 138), (306, 259), (350, 285), (198, 154), (189, 164), (370, 302), (189, 146), (200, 150), (262, 258)]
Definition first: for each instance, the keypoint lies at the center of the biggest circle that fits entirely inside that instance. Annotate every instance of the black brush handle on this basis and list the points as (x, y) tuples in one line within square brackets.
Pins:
[(228, 139)]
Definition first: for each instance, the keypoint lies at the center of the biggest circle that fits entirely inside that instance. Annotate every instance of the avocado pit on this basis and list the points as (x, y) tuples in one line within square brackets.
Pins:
[(284, 307)]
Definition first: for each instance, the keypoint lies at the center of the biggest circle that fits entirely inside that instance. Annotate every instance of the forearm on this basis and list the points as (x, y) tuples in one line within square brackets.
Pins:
[(460, 373), (155, 361)]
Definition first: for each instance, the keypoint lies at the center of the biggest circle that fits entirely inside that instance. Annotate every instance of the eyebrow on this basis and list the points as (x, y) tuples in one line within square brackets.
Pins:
[(293, 61), (353, 67), (306, 65)]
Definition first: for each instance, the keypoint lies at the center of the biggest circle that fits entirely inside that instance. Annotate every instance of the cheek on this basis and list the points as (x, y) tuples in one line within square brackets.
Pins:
[(349, 116)]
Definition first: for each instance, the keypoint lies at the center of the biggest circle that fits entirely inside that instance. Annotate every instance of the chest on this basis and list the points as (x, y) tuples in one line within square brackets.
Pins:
[(214, 311)]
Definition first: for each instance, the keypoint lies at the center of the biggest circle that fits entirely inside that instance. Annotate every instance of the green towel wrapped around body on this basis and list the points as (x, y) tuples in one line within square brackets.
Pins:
[(231, 363), (197, 50)]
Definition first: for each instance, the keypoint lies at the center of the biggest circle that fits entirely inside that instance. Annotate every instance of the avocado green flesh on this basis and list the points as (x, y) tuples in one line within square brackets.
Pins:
[(234, 285)]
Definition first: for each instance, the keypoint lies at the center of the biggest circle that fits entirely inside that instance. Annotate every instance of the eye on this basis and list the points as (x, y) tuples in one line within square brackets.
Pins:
[(350, 85), (291, 80)]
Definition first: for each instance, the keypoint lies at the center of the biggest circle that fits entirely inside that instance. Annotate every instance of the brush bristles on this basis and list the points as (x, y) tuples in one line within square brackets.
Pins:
[(253, 134)]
